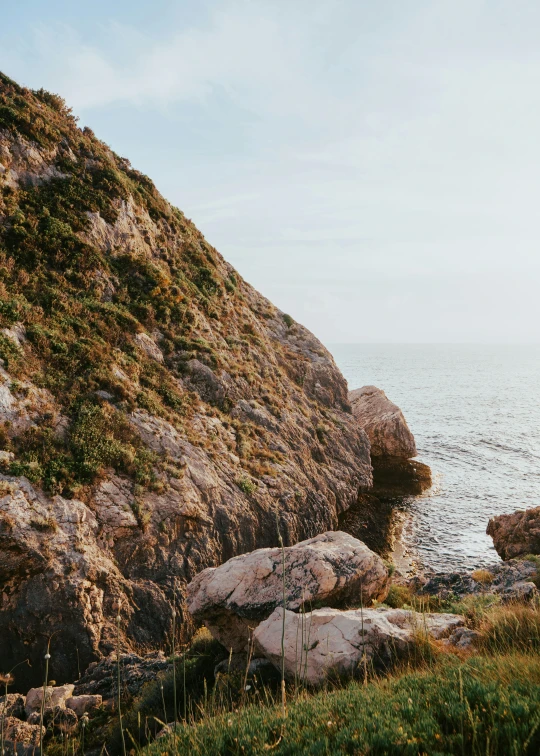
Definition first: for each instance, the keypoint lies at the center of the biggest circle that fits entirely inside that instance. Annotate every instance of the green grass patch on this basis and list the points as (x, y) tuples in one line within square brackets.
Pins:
[(484, 705)]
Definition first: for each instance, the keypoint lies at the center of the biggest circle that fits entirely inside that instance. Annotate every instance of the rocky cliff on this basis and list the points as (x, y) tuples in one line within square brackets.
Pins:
[(157, 414)]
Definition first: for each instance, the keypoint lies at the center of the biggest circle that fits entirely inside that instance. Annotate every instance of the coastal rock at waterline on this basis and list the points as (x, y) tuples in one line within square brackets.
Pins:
[(516, 534), (392, 445), (384, 423), (333, 567), (504, 578), (53, 697), (395, 476), (332, 642)]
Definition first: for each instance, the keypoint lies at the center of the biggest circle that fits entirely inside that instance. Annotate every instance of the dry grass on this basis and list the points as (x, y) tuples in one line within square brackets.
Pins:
[(485, 577)]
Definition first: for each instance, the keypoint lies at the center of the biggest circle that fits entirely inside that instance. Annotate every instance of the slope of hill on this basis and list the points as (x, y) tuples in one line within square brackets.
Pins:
[(157, 414)]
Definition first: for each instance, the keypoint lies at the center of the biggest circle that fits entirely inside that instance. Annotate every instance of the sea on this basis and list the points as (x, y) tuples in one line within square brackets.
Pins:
[(474, 411)]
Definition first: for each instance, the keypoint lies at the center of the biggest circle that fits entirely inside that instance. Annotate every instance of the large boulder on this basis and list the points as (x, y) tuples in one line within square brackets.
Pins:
[(333, 568), (339, 643), (384, 423), (392, 446), (53, 697), (516, 534)]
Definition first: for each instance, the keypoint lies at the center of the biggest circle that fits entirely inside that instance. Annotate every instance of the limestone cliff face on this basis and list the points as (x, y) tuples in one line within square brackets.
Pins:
[(159, 415)]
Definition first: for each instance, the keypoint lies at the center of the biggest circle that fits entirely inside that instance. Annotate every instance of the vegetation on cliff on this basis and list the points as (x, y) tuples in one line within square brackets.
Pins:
[(157, 414)]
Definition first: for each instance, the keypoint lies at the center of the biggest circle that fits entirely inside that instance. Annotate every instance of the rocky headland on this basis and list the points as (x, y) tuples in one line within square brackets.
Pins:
[(176, 452), (158, 415)]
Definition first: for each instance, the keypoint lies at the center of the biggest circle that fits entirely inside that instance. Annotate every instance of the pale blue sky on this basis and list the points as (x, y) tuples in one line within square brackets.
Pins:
[(373, 167)]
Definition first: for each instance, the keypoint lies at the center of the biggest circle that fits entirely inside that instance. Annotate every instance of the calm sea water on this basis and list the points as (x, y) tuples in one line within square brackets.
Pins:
[(475, 414)]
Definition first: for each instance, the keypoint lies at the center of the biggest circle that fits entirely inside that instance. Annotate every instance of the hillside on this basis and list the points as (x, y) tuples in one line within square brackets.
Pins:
[(158, 415)]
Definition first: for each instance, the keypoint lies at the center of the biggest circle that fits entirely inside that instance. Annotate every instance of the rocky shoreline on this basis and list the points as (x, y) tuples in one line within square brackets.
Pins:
[(263, 608)]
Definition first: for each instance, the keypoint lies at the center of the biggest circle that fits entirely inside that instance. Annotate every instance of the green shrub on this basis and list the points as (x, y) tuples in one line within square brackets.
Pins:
[(246, 485), (398, 596)]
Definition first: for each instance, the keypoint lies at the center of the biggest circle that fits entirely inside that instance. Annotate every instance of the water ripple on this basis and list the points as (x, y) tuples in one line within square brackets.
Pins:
[(475, 413)]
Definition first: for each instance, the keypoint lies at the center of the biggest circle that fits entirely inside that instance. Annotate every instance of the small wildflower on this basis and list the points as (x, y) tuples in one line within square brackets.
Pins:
[(248, 687), (47, 656)]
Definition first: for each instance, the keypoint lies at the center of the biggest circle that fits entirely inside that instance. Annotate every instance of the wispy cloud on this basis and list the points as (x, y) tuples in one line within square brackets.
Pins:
[(339, 152)]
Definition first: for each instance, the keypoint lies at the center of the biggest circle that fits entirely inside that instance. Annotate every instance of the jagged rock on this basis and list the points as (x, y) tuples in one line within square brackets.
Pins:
[(328, 642), (13, 705), (457, 584), (55, 697), (384, 423), (81, 704), (22, 738), (100, 679), (516, 534), (334, 568), (372, 521)]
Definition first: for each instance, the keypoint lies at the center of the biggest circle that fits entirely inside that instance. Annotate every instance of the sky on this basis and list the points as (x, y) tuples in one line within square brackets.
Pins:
[(373, 168)]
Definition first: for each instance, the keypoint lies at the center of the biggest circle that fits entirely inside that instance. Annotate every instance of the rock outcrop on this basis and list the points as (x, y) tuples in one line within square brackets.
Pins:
[(395, 474), (54, 697), (333, 568), (384, 423), (516, 534), (155, 410), (332, 643), (507, 579), (100, 680)]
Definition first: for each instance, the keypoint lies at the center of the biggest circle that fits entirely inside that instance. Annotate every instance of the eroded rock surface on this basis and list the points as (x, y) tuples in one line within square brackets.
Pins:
[(384, 423), (395, 474), (54, 697), (100, 679), (328, 642), (516, 534), (503, 579), (333, 568)]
